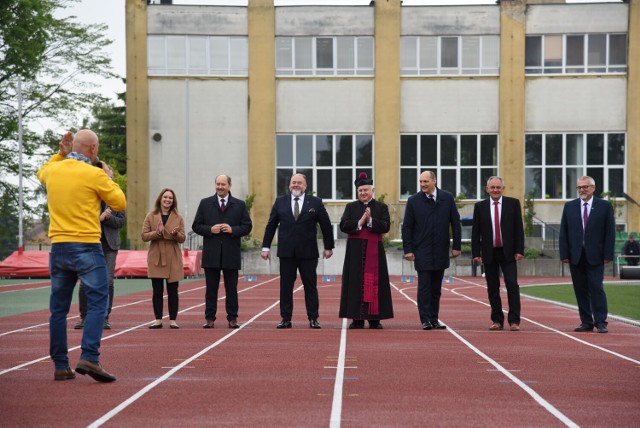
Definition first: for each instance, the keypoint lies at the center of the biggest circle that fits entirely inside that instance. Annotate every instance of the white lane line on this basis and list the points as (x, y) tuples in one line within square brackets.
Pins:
[(546, 327), (28, 363), (336, 406), (541, 401)]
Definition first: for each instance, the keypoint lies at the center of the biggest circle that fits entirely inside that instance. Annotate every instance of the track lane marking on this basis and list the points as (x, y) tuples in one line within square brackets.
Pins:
[(537, 397), (28, 363), (546, 327), (336, 405)]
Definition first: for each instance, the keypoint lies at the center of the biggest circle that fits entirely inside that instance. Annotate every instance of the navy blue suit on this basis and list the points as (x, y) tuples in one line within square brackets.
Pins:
[(221, 251), (298, 249), (425, 233), (494, 259), (587, 251)]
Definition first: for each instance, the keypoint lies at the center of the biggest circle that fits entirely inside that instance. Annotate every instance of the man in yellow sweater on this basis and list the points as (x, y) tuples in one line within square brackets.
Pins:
[(75, 187)]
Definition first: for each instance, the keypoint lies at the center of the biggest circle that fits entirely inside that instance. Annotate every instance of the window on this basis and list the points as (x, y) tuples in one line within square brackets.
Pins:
[(576, 53), (330, 162), (197, 56), (554, 162), (324, 56), (449, 55), (462, 162)]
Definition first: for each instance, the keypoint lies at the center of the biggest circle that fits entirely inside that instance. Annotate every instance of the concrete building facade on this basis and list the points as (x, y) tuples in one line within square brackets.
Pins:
[(537, 92)]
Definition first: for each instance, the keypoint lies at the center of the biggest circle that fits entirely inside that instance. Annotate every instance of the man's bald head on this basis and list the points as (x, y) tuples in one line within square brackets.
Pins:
[(86, 142)]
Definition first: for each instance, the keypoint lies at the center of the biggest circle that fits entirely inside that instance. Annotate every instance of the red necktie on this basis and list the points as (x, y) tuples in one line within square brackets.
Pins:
[(585, 216), (496, 221), (222, 205)]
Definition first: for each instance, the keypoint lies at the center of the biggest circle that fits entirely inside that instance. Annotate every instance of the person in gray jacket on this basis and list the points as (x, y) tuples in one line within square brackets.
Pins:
[(111, 222)]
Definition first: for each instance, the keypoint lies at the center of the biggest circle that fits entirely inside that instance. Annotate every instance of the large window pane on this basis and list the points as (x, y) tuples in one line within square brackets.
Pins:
[(598, 175), (408, 150), (429, 52), (615, 155), (324, 150), (408, 182), (283, 179), (155, 53), (471, 53), (618, 49), (533, 149), (346, 53), (176, 55), (324, 52), (572, 175), (447, 180), (239, 55), (469, 183), (364, 150), (552, 54), (597, 49), (553, 183), (365, 52), (485, 174), (408, 52), (448, 150), (449, 52), (575, 53), (324, 189), (488, 150), (284, 52), (344, 184), (304, 150), (616, 181), (219, 54), (491, 54), (595, 149), (553, 149), (303, 59), (197, 55), (575, 149), (428, 150), (533, 181), (533, 51), (284, 150), (344, 150), (468, 150)]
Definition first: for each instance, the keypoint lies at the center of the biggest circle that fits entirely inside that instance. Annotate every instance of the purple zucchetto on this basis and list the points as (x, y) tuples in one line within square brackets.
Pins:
[(363, 180)]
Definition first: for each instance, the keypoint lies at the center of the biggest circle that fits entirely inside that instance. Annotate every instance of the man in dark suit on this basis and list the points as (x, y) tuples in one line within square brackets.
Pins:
[(295, 216), (428, 217), (222, 220), (497, 241), (587, 238), (110, 222)]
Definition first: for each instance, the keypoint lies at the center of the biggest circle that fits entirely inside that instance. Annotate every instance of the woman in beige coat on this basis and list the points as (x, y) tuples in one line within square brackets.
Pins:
[(164, 229)]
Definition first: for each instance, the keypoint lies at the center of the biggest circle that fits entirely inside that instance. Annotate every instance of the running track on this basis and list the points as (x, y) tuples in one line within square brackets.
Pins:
[(545, 375)]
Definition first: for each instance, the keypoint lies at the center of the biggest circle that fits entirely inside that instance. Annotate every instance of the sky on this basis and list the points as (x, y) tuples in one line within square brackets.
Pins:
[(112, 13)]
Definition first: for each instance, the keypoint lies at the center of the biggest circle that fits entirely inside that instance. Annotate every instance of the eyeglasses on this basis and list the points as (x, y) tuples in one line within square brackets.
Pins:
[(584, 187)]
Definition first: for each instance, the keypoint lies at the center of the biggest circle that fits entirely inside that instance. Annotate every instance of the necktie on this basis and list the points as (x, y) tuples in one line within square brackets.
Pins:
[(496, 221), (585, 216), (222, 205), (431, 200), (296, 208)]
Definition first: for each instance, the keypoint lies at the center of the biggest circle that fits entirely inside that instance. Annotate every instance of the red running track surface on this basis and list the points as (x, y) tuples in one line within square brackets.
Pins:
[(545, 375)]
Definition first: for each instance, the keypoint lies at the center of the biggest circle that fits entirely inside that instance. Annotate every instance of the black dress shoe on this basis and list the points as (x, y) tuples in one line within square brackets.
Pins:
[(94, 370), (64, 374), (233, 324), (314, 324), (602, 329), (356, 325), (583, 327), (155, 326), (284, 324), (376, 326), (208, 324), (436, 325), (427, 326)]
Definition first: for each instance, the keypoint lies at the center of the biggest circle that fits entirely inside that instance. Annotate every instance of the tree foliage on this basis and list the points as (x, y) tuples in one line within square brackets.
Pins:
[(54, 59)]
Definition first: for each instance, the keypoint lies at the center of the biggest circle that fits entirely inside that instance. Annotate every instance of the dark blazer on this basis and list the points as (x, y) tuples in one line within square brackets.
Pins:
[(510, 226), (111, 229), (298, 238), (425, 230), (599, 236), (222, 250)]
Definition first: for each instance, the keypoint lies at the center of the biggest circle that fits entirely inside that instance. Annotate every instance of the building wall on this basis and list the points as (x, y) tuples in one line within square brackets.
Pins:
[(214, 125)]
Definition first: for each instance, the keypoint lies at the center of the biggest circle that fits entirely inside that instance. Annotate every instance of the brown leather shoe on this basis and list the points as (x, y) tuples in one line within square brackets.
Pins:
[(514, 327), (496, 326), (64, 374), (94, 370), (233, 324), (208, 324)]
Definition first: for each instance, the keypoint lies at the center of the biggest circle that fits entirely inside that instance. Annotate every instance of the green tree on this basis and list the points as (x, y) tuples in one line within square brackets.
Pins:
[(52, 60)]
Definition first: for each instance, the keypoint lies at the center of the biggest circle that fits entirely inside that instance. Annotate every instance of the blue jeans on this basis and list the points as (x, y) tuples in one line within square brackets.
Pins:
[(68, 262)]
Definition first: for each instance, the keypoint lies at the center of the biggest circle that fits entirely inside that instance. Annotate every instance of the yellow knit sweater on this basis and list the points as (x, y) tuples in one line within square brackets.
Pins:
[(74, 192)]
